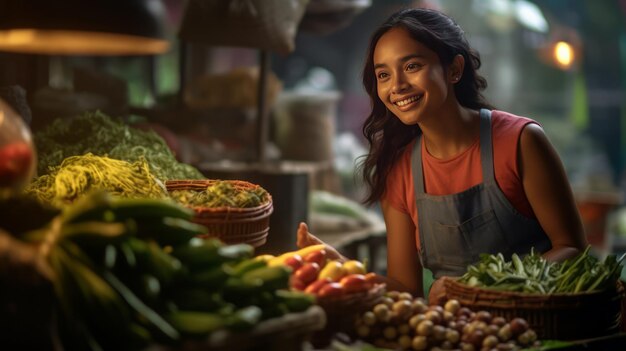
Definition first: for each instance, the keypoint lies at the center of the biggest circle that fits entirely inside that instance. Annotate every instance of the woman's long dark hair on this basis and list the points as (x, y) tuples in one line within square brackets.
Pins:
[(386, 134)]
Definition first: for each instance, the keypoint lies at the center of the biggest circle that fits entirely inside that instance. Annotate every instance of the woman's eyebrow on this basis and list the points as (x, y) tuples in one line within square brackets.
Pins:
[(402, 59)]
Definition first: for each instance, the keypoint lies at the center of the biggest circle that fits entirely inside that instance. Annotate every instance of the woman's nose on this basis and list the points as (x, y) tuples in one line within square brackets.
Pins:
[(399, 84)]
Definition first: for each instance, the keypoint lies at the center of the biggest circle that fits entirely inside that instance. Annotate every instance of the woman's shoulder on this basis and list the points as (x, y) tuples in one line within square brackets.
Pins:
[(506, 123), (508, 118)]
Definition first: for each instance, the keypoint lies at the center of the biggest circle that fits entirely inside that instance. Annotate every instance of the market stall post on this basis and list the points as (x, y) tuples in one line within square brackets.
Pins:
[(268, 26)]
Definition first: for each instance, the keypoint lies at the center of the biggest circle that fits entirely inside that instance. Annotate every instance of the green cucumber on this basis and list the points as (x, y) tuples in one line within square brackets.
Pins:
[(196, 323), (272, 278), (296, 301)]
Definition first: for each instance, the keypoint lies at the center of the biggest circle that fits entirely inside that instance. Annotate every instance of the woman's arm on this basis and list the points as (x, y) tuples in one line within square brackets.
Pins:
[(550, 195), (404, 270)]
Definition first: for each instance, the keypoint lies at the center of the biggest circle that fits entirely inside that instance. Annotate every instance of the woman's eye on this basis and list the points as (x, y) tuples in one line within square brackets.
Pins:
[(412, 66), (381, 75)]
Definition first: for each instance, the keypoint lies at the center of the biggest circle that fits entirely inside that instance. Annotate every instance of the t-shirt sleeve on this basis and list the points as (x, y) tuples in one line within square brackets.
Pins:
[(395, 191)]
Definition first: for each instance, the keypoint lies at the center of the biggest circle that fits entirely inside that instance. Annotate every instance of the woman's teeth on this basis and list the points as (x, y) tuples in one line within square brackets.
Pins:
[(407, 101)]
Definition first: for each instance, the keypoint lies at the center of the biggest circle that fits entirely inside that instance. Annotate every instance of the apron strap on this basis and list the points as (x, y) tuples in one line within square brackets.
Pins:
[(486, 147), (416, 167)]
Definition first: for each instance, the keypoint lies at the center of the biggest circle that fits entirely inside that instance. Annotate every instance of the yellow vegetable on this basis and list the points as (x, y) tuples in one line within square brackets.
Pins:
[(280, 260), (333, 270), (264, 258), (354, 267), (306, 250)]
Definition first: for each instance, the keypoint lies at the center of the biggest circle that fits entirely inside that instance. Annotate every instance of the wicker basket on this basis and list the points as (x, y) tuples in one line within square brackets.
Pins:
[(342, 311), (232, 225), (553, 316)]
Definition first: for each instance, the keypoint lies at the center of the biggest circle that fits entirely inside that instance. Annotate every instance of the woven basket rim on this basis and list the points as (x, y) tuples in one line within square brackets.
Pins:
[(190, 184), (234, 212), (374, 292), (453, 283), (256, 235), (483, 297)]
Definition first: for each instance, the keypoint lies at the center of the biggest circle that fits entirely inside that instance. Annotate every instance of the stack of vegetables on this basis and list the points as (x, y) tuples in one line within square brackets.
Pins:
[(130, 272), (313, 273), (94, 151), (534, 274), (101, 135)]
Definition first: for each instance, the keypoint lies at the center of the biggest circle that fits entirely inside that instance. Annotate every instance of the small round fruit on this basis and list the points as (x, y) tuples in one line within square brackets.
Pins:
[(425, 328), (452, 306), (369, 318), (419, 343)]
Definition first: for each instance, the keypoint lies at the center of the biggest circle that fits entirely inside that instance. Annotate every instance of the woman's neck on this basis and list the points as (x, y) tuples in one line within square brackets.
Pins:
[(452, 132)]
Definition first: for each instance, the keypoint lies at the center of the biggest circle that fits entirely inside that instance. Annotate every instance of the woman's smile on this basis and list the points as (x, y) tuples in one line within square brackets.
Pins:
[(407, 103)]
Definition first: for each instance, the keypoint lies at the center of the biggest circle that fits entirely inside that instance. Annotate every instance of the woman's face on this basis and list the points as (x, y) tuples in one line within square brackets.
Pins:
[(411, 81)]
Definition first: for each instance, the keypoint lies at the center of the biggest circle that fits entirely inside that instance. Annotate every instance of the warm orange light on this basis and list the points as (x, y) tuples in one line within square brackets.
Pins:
[(564, 54), (63, 42)]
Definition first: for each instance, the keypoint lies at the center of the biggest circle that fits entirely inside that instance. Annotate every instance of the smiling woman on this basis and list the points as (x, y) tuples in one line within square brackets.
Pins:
[(455, 177), (409, 73)]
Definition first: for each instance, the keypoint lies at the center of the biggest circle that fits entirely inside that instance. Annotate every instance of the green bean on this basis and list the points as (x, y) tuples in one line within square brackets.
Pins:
[(534, 274)]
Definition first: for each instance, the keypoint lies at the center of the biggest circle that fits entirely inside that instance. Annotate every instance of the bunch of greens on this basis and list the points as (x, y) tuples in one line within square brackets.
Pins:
[(77, 175), (102, 135), (119, 288), (222, 194), (534, 274)]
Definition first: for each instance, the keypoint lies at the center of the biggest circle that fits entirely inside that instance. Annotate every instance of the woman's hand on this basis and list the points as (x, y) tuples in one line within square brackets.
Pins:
[(304, 239), (437, 294)]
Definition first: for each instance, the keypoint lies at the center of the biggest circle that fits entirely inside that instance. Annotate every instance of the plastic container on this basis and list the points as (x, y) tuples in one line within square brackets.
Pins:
[(305, 125), (17, 153)]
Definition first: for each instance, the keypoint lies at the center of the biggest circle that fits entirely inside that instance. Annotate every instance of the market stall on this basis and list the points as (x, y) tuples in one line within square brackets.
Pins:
[(109, 242)]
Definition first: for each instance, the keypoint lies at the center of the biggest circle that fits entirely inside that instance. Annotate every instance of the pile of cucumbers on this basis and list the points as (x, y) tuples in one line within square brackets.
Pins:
[(131, 272)]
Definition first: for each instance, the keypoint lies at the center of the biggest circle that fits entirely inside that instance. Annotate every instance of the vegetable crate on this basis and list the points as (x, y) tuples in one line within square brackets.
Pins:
[(563, 316), (232, 225)]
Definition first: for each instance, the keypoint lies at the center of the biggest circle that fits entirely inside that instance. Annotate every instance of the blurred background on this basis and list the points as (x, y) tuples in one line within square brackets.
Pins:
[(270, 91)]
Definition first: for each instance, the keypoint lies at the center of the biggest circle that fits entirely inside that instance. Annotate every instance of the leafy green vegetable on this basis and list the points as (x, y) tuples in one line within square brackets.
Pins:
[(533, 274), (222, 194), (101, 135), (77, 175)]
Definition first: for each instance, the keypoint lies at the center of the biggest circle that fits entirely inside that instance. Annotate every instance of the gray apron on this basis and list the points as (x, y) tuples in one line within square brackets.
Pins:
[(455, 229)]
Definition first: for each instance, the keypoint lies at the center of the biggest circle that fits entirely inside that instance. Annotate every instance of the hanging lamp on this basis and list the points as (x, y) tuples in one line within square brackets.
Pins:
[(79, 27)]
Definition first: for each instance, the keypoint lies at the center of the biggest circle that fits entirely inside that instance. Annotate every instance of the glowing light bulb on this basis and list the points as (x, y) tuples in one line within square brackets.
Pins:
[(564, 54)]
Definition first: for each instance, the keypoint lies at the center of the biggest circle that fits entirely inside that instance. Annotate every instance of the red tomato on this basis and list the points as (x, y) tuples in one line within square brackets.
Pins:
[(296, 283), (373, 278), (315, 287), (331, 289), (308, 272), (355, 283), (295, 262), (318, 257)]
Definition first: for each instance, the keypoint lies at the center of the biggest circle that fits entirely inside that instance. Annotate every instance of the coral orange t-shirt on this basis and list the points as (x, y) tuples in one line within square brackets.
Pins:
[(461, 172)]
